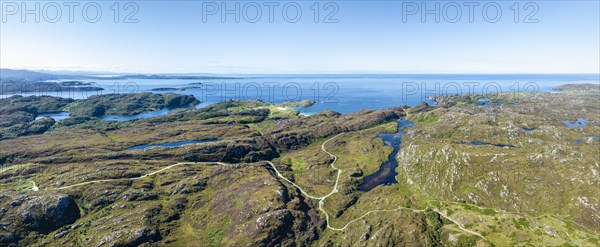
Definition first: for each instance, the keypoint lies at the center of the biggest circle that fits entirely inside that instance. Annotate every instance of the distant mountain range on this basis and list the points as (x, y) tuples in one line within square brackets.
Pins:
[(12, 75), (26, 75), (26, 81)]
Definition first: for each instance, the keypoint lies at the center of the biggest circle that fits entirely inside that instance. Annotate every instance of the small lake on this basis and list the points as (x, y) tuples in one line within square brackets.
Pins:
[(387, 172), (580, 141), (171, 144), (581, 122), (480, 143), (484, 103), (64, 115), (149, 114), (56, 116)]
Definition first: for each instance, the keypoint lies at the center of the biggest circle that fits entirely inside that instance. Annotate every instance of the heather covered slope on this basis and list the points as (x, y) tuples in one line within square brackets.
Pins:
[(204, 203), (534, 176), (510, 173)]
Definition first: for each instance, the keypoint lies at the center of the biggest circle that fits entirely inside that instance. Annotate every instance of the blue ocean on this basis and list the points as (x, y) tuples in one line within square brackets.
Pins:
[(341, 93)]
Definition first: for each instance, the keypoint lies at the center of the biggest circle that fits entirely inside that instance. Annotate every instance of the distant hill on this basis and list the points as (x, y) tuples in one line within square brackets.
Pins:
[(33, 76), (162, 77), (578, 87), (24, 81), (25, 75)]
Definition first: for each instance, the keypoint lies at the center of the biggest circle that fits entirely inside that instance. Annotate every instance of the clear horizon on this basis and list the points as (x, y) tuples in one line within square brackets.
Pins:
[(112, 73)]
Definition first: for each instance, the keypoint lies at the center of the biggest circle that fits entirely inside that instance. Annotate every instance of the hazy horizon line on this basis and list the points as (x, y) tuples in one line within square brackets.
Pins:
[(355, 72)]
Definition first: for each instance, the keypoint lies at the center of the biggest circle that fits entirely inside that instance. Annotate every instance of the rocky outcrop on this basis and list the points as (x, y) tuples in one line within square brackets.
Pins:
[(230, 151), (23, 213), (421, 107)]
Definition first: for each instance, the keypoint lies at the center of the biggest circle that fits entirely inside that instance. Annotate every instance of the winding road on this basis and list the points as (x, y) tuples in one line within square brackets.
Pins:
[(335, 190), (140, 177), (321, 199)]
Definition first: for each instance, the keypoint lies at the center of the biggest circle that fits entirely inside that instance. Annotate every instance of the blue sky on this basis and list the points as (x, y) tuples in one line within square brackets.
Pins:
[(369, 37)]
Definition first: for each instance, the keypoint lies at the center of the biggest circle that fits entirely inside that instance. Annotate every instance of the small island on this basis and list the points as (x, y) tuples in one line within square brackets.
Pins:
[(128, 104), (578, 87), (174, 88)]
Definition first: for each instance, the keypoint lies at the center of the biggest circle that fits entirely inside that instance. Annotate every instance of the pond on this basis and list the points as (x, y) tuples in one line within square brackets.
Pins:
[(580, 141), (485, 103), (387, 172), (64, 115), (479, 143), (581, 122), (171, 144), (149, 114), (56, 116)]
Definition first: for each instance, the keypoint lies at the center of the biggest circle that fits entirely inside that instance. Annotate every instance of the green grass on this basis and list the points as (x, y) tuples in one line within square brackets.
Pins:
[(277, 112), (215, 236), (468, 189), (429, 117), (298, 165), (484, 211), (390, 127), (466, 241), (521, 223), (570, 226)]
